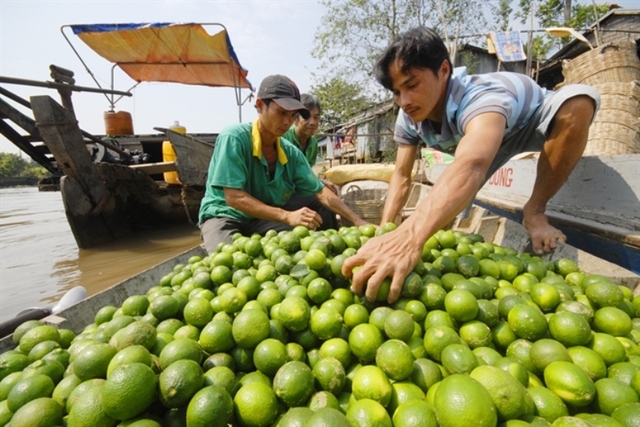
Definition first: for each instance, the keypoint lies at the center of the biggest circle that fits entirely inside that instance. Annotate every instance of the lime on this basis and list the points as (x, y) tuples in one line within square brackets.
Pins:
[(370, 382), (255, 405), (129, 391), (461, 400), (364, 341), (570, 383), (395, 359), (269, 356), (329, 375), (507, 393), (179, 382), (293, 383), (250, 327)]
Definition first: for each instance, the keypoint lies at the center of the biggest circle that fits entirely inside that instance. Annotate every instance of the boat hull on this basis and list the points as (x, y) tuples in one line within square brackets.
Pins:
[(598, 207), (106, 201)]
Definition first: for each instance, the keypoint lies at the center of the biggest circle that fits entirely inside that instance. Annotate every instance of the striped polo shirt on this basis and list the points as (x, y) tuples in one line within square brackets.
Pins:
[(514, 95)]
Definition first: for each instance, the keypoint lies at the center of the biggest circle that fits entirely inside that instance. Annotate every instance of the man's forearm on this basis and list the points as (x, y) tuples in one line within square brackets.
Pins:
[(251, 206), (399, 188), (453, 191)]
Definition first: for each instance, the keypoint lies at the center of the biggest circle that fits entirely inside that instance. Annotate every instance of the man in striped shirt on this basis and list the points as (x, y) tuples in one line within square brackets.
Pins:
[(484, 120)]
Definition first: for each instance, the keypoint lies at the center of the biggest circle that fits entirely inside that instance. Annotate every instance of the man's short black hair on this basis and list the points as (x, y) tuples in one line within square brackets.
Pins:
[(419, 47)]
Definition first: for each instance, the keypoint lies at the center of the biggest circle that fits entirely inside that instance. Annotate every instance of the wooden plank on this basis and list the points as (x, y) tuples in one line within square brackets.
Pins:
[(60, 132), (505, 232), (155, 168), (603, 189), (25, 122), (616, 232)]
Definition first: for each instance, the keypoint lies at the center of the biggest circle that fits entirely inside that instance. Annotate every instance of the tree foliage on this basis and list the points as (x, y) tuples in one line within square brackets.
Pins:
[(354, 32), (558, 13), (12, 165), (340, 100), (503, 13)]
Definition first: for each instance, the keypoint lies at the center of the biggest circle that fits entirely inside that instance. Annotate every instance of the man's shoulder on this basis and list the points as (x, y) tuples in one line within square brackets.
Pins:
[(504, 79), (289, 147), (236, 129)]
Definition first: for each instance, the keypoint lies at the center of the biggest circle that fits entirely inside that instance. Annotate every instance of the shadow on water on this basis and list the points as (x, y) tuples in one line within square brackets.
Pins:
[(102, 267)]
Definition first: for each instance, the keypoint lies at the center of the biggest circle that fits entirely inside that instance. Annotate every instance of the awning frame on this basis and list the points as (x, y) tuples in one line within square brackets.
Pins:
[(112, 99)]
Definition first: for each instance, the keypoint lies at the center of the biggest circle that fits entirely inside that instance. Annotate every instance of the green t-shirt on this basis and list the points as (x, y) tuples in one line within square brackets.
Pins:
[(237, 162), (311, 152)]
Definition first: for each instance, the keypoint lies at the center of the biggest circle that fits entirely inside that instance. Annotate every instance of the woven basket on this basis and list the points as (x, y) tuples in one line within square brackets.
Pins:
[(616, 129), (613, 62), (620, 96), (367, 203)]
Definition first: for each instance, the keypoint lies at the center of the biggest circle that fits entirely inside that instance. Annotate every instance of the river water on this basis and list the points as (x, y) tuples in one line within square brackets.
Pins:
[(39, 259)]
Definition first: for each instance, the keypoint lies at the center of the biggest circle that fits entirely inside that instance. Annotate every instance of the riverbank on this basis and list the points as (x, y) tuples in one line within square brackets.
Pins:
[(8, 181)]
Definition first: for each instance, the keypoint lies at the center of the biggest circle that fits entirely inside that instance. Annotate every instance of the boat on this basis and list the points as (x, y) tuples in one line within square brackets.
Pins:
[(492, 228), (114, 184)]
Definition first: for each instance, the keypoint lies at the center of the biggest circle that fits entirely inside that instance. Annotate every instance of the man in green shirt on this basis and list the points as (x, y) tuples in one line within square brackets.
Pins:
[(254, 173), (303, 132)]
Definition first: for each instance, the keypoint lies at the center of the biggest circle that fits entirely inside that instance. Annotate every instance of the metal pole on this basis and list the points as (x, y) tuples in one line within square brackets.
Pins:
[(54, 85), (530, 43), (595, 14)]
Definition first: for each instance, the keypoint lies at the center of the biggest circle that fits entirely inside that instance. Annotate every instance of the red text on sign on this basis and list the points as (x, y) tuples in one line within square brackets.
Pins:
[(502, 177)]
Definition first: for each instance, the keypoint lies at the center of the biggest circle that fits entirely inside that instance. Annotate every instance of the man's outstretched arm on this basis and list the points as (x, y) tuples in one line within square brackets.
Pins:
[(400, 183), (396, 253)]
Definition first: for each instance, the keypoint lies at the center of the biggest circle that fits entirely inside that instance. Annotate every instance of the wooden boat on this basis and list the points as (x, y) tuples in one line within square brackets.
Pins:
[(499, 230), (113, 185)]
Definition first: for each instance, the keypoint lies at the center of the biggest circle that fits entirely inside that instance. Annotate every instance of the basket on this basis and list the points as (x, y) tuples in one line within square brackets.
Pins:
[(617, 61), (616, 129), (620, 96), (367, 203)]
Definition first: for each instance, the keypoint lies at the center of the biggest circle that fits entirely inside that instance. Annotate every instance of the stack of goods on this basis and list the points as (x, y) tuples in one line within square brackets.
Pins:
[(614, 71)]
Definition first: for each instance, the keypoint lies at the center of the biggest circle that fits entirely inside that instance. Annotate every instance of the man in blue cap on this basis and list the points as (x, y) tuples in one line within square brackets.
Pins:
[(254, 174)]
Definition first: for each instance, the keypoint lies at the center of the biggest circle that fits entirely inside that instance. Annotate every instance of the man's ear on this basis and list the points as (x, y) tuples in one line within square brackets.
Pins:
[(259, 105), (445, 69)]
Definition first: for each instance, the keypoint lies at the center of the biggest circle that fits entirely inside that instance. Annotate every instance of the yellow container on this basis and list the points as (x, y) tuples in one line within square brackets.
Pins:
[(169, 154), (118, 123)]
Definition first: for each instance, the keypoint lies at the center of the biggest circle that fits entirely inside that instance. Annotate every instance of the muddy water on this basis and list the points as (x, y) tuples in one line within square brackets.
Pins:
[(39, 259)]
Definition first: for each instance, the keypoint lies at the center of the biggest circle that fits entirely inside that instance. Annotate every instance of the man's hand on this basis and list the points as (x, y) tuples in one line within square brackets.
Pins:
[(390, 255), (304, 216)]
